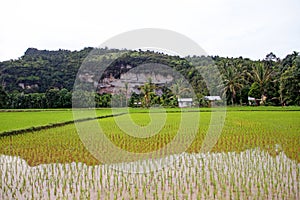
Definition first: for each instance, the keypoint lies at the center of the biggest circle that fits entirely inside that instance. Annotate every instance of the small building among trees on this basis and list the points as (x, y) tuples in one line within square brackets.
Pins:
[(252, 101), (185, 102), (212, 99)]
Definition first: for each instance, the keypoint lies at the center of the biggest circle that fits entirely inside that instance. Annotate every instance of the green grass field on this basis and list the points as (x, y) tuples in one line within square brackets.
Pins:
[(273, 131)]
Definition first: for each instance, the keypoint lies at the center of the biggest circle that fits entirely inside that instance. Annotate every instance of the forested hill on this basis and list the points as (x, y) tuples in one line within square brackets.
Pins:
[(39, 71)]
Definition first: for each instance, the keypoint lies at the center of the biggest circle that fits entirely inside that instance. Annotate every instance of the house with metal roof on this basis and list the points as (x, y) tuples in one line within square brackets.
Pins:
[(212, 98), (185, 102)]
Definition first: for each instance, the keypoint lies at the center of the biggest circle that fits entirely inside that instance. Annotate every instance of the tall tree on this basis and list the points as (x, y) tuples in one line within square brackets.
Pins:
[(3, 98), (262, 75), (290, 84), (126, 93), (232, 82), (53, 98), (180, 88), (147, 90)]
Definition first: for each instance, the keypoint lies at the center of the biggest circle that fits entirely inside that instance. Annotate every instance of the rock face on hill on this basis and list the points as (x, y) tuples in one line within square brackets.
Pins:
[(135, 78), (39, 70)]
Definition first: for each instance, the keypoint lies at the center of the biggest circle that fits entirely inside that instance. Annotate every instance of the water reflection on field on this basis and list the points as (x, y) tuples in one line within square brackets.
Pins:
[(248, 174)]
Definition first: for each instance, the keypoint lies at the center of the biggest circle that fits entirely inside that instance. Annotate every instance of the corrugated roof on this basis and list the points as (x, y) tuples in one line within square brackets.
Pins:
[(185, 99), (213, 98)]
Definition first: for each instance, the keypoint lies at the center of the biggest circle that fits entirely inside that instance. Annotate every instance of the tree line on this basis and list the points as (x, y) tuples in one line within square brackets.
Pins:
[(273, 81), (45, 79), (62, 98)]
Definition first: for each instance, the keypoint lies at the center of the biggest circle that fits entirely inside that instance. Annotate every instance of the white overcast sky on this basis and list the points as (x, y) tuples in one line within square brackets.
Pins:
[(248, 28)]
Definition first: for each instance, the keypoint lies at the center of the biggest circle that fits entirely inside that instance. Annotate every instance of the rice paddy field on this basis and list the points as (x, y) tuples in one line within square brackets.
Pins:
[(22, 119), (255, 156)]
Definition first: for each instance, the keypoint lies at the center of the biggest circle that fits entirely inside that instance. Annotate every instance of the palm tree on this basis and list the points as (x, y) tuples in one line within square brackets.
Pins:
[(126, 92), (232, 82), (180, 88), (262, 75), (147, 90)]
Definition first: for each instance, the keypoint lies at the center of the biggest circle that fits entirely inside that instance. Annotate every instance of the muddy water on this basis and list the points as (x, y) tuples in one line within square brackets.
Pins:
[(251, 174)]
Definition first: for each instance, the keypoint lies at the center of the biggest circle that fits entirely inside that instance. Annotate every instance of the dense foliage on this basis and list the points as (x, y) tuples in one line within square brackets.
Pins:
[(45, 79)]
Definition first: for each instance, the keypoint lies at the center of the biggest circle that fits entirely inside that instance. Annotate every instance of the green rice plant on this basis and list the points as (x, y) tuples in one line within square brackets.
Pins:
[(256, 156)]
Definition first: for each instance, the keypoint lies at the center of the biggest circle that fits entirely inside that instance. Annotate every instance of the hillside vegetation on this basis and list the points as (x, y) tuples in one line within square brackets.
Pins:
[(45, 79)]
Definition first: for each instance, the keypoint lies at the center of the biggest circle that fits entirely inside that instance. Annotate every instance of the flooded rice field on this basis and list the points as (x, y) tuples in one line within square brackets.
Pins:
[(252, 174)]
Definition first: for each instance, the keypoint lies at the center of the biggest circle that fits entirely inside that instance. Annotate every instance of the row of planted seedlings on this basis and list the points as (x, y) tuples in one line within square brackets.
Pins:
[(62, 145), (249, 174)]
